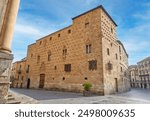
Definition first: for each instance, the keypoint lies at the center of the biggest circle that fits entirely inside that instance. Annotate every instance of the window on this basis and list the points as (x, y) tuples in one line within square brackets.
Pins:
[(87, 24), (67, 68), (93, 65), (31, 55), (69, 31), (64, 52), (112, 30), (38, 59), (116, 57), (40, 42), (121, 69), (58, 35), (119, 49), (111, 44), (120, 58), (28, 68), (55, 67), (88, 48), (49, 56), (108, 53), (50, 38), (109, 66)]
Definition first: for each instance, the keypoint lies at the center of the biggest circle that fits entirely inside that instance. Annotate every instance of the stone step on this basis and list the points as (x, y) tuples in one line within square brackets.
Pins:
[(11, 98), (9, 95), (13, 102)]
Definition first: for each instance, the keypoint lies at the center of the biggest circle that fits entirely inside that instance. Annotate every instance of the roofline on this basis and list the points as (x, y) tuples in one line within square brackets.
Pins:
[(54, 33), (100, 6), (123, 47), (132, 66), (31, 44), (144, 59)]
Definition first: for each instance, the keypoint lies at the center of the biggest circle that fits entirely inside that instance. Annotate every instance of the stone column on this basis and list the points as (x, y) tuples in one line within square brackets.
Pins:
[(6, 57), (8, 25)]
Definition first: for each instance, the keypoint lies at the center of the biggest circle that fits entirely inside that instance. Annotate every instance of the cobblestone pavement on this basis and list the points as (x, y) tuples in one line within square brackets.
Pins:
[(135, 96)]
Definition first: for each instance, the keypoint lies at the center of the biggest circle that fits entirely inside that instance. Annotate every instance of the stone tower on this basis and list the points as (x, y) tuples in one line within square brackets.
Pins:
[(8, 14)]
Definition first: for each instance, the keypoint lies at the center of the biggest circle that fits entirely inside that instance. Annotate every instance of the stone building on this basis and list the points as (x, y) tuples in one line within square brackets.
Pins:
[(86, 51), (142, 74), (8, 14), (133, 74), (18, 72)]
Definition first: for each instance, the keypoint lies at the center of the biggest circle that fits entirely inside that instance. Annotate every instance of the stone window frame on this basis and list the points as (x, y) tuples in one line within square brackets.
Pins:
[(28, 69), (38, 58), (67, 67), (119, 49), (50, 38), (59, 35), (121, 69), (49, 54), (88, 48), (64, 51), (108, 51), (92, 65), (55, 67), (112, 31), (87, 23), (116, 56), (69, 31), (40, 43)]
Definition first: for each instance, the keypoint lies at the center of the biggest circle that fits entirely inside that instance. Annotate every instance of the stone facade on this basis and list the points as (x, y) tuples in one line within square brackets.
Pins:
[(86, 51), (140, 74), (18, 71), (8, 14)]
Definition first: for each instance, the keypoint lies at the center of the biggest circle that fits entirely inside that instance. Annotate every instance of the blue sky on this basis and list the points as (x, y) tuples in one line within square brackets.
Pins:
[(38, 18)]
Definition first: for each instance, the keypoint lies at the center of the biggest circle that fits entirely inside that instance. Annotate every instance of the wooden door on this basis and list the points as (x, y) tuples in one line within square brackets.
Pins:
[(42, 80), (116, 83), (28, 84)]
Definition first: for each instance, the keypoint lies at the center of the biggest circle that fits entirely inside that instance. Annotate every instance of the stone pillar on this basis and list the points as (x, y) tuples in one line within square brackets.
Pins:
[(8, 25), (5, 65), (6, 35)]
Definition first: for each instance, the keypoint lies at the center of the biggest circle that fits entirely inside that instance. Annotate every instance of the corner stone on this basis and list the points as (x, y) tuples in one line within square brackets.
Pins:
[(5, 65)]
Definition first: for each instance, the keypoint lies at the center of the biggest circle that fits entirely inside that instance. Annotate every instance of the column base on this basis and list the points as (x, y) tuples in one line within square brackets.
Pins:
[(5, 66)]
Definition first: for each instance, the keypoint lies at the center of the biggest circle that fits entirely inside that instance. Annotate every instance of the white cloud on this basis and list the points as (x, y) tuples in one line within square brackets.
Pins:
[(26, 29), (144, 16), (137, 39)]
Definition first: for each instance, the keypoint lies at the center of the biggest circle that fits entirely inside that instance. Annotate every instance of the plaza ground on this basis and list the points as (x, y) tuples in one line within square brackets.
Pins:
[(135, 96)]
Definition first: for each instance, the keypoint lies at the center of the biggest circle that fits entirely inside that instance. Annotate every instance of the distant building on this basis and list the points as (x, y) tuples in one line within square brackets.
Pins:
[(86, 51), (140, 74), (18, 74)]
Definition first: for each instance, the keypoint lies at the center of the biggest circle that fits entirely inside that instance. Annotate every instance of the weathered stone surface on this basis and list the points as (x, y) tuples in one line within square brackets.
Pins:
[(8, 14), (93, 28), (5, 65), (140, 74)]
